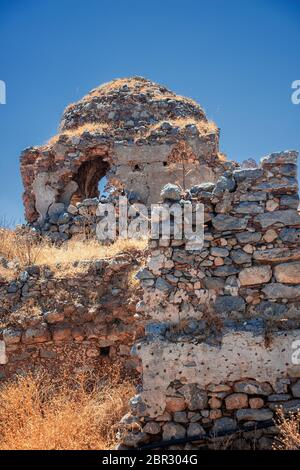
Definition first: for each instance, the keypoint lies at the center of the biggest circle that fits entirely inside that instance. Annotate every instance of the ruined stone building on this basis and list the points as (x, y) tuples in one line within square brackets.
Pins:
[(215, 331), (132, 135)]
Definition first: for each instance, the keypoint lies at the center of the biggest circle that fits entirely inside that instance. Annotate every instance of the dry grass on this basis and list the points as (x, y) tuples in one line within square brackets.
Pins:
[(222, 156), (6, 274), (91, 127), (40, 412), (28, 251), (157, 91), (73, 251), (289, 432), (204, 127)]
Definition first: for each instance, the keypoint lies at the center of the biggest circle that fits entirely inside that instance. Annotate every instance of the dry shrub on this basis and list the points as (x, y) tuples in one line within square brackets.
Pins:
[(25, 248), (179, 327), (38, 411), (212, 318), (289, 432)]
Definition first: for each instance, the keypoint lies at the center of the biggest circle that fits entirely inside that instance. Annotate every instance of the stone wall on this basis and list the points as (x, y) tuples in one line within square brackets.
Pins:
[(88, 315), (221, 322)]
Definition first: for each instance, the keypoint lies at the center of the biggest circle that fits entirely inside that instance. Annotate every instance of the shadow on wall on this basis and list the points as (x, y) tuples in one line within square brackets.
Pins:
[(91, 179)]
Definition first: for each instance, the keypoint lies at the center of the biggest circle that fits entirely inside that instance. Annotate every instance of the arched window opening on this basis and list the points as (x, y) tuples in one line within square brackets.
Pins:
[(91, 179)]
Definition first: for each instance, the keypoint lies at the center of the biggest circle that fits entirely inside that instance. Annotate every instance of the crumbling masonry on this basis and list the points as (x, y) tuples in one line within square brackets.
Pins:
[(87, 316), (222, 324)]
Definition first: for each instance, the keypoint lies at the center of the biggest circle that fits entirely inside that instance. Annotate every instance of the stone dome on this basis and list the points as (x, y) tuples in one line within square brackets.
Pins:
[(135, 107)]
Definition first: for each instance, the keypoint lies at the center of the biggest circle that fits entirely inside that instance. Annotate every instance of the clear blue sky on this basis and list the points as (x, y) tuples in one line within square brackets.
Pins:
[(236, 58)]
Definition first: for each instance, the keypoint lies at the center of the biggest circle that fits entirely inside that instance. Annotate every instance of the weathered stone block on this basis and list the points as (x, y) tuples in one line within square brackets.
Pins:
[(226, 304), (62, 333), (270, 236), (225, 271), (256, 403), (195, 429), (174, 404), (249, 208), (215, 414), (289, 406), (253, 196), (290, 200), (280, 158), (268, 309), (296, 389), (143, 274), (152, 427), (53, 316), (220, 252), (290, 235), (272, 205), (224, 183), (287, 217), (276, 290), (40, 334), (215, 402), (56, 209), (224, 425), (250, 414), (171, 192), (282, 185), (248, 237), (251, 387), (288, 273), (223, 222), (163, 285), (12, 336), (202, 190), (240, 257), (274, 397), (275, 255), (236, 401), (173, 431), (255, 275), (138, 406), (195, 398), (247, 174)]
